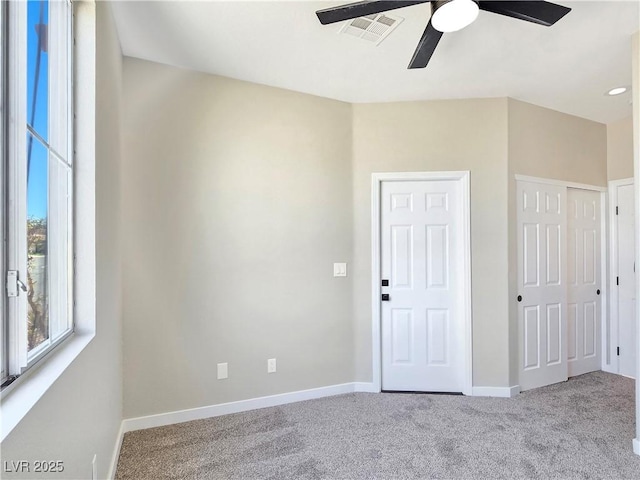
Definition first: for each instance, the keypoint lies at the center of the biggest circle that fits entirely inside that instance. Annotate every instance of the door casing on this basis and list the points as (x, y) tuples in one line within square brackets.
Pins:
[(465, 231), (611, 329)]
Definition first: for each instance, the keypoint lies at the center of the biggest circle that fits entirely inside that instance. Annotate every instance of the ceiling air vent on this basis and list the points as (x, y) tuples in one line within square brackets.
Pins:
[(373, 28)]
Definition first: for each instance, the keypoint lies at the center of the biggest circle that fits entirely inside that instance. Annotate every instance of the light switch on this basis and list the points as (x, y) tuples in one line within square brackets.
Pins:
[(339, 269)]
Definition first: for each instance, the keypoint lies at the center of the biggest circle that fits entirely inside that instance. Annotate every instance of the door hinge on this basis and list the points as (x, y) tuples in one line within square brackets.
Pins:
[(14, 284), (616, 210), (618, 351), (617, 280)]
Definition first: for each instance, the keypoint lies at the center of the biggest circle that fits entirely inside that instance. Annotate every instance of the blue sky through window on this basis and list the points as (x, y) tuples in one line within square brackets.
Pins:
[(37, 115)]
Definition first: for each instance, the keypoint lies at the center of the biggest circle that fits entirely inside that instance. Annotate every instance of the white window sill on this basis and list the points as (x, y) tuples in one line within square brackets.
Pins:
[(18, 399)]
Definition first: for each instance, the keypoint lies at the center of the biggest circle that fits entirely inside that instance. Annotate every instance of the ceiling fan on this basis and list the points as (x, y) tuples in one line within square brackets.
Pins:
[(448, 16)]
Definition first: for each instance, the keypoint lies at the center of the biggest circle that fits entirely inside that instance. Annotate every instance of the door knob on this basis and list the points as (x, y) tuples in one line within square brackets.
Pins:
[(385, 297), (598, 292), (519, 298)]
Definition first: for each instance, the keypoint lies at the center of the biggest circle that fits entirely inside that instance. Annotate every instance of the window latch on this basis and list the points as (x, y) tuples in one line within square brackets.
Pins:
[(14, 284)]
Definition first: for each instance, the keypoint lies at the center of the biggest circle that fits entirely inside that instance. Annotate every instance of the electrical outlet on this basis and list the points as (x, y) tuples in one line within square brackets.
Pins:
[(94, 467), (339, 269), (223, 371), (271, 365)]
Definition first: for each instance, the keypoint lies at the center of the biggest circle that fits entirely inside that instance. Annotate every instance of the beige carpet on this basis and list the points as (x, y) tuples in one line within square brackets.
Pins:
[(578, 429)]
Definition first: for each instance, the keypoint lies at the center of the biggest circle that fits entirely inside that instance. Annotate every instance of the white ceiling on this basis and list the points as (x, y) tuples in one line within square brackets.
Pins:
[(567, 67)]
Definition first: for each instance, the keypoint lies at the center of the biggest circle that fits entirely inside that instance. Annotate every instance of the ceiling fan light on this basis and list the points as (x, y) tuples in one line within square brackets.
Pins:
[(453, 15)]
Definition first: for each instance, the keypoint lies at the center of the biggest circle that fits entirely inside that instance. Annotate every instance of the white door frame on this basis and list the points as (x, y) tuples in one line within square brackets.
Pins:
[(604, 316), (465, 223), (612, 331)]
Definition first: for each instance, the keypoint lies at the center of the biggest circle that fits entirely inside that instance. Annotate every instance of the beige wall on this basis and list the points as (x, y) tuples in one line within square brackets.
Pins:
[(440, 136), (240, 188), (547, 144), (240, 197), (620, 149), (80, 414), (238, 201)]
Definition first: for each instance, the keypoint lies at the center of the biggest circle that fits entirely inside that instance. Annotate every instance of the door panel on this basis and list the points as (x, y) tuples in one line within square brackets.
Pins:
[(437, 256), (401, 335), (572, 331), (531, 337), (437, 337), (554, 335), (402, 255), (584, 264), (421, 251), (542, 275), (553, 254), (531, 248), (590, 329), (627, 281)]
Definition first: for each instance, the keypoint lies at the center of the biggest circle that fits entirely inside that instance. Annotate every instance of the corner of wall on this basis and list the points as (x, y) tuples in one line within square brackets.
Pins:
[(512, 253)]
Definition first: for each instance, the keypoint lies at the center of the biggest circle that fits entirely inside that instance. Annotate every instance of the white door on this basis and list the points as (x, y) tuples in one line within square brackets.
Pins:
[(583, 281), (626, 282), (421, 257), (542, 327)]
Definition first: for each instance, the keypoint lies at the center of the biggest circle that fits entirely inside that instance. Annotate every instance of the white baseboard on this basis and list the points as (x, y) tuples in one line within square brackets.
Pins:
[(116, 453), (636, 446), (179, 416), (365, 387), (503, 392)]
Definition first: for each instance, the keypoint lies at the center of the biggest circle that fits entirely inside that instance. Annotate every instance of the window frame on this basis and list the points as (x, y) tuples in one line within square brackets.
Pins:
[(3, 201), (19, 358)]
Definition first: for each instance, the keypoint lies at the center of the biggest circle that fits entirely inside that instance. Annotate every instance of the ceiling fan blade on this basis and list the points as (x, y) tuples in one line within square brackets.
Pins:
[(361, 9), (542, 13), (426, 46)]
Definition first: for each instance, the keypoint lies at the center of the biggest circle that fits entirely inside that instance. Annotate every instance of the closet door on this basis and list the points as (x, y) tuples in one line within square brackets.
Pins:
[(542, 285), (584, 281)]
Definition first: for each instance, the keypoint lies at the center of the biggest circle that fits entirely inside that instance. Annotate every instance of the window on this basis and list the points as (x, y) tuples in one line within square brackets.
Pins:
[(37, 179)]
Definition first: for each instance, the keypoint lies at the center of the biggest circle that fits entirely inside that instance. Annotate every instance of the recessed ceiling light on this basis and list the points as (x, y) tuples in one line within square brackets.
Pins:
[(617, 91)]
